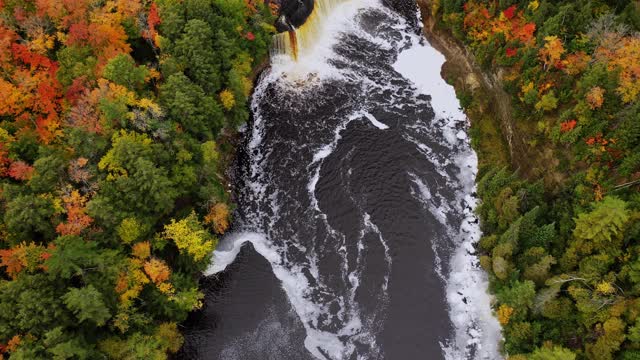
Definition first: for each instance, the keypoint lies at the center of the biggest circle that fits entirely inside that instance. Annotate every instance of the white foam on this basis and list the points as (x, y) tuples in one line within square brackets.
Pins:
[(375, 121), (297, 288), (387, 251), (327, 149), (470, 304), (322, 154), (421, 64), (230, 246), (312, 64), (476, 329), (439, 209)]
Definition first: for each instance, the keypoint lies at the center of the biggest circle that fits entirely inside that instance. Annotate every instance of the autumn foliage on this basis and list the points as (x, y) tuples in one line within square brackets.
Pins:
[(218, 218), (153, 20), (551, 52), (30, 257), (19, 170), (560, 210), (157, 271), (31, 91), (626, 59), (110, 113), (77, 219), (481, 25), (567, 126), (595, 97)]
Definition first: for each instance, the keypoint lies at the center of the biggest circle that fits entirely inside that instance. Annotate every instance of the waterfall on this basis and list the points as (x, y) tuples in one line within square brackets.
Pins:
[(296, 42), (356, 186)]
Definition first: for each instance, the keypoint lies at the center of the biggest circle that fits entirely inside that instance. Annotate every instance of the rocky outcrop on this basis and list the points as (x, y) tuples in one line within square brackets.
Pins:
[(293, 13)]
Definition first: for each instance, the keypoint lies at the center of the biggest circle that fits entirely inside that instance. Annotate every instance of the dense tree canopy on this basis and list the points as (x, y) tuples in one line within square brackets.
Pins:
[(561, 237), (111, 114)]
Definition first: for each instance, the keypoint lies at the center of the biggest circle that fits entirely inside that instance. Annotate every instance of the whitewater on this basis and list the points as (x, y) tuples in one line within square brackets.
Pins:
[(356, 188)]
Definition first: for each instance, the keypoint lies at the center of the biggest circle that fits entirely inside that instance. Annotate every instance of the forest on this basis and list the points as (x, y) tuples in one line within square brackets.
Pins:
[(117, 119), (561, 234)]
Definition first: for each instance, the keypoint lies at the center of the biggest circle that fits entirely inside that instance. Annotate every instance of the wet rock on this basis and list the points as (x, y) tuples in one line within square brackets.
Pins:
[(293, 13)]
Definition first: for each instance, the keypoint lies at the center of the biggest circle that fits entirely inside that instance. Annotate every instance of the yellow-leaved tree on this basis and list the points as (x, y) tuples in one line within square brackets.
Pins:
[(129, 230), (504, 314), (227, 99), (190, 236), (551, 52), (627, 59)]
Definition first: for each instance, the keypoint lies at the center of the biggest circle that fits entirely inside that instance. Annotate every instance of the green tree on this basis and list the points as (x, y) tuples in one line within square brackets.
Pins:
[(166, 339), (519, 296), (136, 183), (609, 343), (87, 304), (540, 271), (552, 353), (602, 228), (29, 217), (203, 62), (75, 62), (189, 106), (48, 173), (547, 102), (31, 304), (122, 70), (62, 344), (72, 256)]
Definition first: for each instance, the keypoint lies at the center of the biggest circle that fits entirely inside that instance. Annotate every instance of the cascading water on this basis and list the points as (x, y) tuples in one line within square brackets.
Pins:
[(354, 230), (306, 37)]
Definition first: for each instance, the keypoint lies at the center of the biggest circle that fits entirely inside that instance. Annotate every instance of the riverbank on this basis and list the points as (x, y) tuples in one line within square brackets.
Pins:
[(346, 222), (551, 112), (481, 94), (113, 152), (496, 136), (232, 139)]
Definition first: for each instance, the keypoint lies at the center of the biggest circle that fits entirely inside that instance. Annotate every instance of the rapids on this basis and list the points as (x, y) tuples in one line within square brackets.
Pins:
[(354, 234)]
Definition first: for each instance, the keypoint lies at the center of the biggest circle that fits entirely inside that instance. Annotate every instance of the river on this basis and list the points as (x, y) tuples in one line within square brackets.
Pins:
[(354, 232)]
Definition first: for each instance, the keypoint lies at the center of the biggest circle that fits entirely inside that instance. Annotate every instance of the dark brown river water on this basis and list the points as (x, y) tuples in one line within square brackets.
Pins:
[(354, 229)]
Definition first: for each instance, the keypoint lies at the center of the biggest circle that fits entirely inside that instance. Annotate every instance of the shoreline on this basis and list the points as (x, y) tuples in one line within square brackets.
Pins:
[(497, 139), (235, 139)]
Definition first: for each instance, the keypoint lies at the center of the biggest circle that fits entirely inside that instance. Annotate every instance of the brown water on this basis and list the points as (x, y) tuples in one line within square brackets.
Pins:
[(350, 206)]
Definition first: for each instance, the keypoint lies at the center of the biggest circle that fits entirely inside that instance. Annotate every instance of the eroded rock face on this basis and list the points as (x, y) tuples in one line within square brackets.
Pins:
[(293, 13)]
